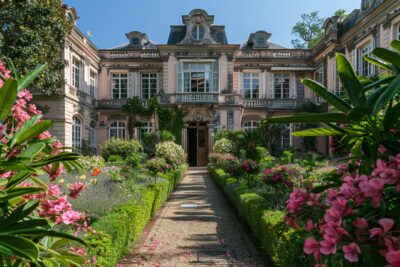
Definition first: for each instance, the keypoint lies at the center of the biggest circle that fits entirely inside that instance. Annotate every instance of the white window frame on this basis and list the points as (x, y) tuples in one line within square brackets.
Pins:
[(92, 135), (116, 85), (252, 79), (145, 128), (185, 68), (119, 127), (283, 76), (76, 132), (197, 36), (92, 84), (76, 72), (366, 69), (251, 125), (149, 79)]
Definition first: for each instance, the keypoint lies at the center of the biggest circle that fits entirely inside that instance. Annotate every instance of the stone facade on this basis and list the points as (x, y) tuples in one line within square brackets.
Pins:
[(220, 85)]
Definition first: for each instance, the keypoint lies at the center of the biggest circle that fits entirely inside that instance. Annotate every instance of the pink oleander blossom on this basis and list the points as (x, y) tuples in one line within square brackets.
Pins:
[(312, 246), (71, 216), (351, 252), (75, 189), (393, 258), (387, 225)]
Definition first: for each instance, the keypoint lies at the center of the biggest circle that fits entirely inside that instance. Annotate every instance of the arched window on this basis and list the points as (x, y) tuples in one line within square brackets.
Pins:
[(116, 130), (146, 128), (92, 135), (285, 137), (197, 32), (135, 41), (251, 125), (76, 133), (260, 40)]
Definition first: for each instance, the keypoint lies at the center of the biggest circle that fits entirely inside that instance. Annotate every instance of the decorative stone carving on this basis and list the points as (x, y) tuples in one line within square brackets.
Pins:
[(199, 114)]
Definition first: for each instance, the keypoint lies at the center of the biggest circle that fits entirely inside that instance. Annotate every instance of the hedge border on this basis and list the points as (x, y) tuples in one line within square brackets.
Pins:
[(117, 231), (282, 244)]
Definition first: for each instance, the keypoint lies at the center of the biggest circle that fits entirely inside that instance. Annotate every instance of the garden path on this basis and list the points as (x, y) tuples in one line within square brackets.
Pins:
[(207, 235)]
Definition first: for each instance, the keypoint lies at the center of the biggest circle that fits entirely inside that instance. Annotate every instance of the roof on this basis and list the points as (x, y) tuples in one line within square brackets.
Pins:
[(270, 45), (178, 32)]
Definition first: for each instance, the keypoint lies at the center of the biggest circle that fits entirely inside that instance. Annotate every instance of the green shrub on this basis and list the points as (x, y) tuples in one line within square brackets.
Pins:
[(115, 158), (171, 152), (134, 160), (115, 233), (120, 147), (166, 136), (224, 145)]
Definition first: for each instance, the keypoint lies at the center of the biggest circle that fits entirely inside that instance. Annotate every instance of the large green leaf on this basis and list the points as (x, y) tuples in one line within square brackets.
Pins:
[(382, 81), (391, 117), (33, 131), (379, 63), (395, 44), (331, 98), (27, 80), (8, 95), (19, 213), (20, 191), (349, 80), (387, 95), (311, 117), (357, 113), (19, 247), (374, 96), (32, 150), (388, 56), (32, 227), (317, 132)]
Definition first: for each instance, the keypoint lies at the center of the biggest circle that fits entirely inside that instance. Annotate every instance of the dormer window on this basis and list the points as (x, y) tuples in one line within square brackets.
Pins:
[(198, 32), (260, 40), (135, 41), (367, 4)]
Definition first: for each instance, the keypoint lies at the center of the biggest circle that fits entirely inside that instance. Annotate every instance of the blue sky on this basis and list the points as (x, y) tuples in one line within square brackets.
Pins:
[(109, 20)]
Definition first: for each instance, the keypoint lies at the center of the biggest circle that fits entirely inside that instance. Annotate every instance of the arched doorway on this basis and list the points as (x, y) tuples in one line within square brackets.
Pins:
[(197, 146)]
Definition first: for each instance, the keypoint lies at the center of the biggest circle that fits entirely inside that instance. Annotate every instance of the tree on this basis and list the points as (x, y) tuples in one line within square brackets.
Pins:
[(341, 13), (134, 109), (308, 31), (33, 33)]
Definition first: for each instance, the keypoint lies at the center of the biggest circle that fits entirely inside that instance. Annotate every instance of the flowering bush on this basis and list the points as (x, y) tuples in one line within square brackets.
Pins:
[(286, 175), (90, 163), (171, 152), (224, 145), (30, 207), (250, 166), (155, 165)]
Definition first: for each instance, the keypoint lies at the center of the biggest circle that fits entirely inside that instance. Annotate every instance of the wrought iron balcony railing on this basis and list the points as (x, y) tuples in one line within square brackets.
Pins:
[(114, 103), (196, 98), (272, 104)]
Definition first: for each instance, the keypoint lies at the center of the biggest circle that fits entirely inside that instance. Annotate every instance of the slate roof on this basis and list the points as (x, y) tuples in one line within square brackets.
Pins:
[(149, 46), (246, 45), (178, 32)]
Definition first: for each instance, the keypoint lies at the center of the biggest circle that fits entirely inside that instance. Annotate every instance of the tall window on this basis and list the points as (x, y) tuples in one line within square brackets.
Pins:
[(320, 75), (366, 68), (251, 85), (149, 85), (117, 130), (281, 86), (285, 137), (197, 32), (76, 133), (197, 77), (92, 84), (92, 135), (76, 72), (119, 85), (146, 128), (251, 125)]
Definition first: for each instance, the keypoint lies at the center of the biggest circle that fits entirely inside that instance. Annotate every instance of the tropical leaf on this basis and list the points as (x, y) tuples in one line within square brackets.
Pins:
[(379, 63), (28, 79), (357, 113), (379, 82), (395, 44), (310, 117), (388, 56), (8, 95), (19, 213), (33, 131), (387, 95), (32, 151), (317, 132), (19, 247), (391, 117), (349, 80), (331, 98)]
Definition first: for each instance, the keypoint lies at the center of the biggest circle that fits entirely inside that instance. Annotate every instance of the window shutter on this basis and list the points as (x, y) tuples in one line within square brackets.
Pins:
[(131, 84), (261, 93), (179, 77), (241, 92), (138, 87), (354, 59), (293, 88), (271, 85)]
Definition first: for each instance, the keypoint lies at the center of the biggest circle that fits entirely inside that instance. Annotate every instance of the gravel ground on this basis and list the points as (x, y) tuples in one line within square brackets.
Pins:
[(207, 235)]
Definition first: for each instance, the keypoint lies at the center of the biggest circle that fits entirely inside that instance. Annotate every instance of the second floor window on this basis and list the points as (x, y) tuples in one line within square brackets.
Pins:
[(251, 125), (366, 68), (76, 133), (251, 85), (281, 86), (116, 130), (149, 85), (119, 85), (76, 73), (92, 135), (92, 84), (197, 77)]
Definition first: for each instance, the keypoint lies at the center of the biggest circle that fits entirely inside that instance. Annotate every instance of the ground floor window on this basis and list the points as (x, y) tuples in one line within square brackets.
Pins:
[(285, 137), (117, 130), (146, 128), (251, 125), (92, 135), (76, 133)]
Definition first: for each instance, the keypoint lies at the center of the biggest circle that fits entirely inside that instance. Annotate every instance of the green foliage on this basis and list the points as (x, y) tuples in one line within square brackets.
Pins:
[(149, 141), (120, 147), (34, 33), (172, 121), (224, 145), (167, 136), (283, 245), (172, 153), (134, 160), (122, 227), (135, 109), (287, 157), (308, 31), (115, 158), (371, 113)]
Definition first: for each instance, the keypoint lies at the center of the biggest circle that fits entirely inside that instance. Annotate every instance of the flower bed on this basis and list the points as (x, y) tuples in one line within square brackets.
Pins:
[(115, 232)]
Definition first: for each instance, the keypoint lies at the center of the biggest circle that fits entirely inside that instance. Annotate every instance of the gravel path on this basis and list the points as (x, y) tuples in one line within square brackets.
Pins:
[(185, 235)]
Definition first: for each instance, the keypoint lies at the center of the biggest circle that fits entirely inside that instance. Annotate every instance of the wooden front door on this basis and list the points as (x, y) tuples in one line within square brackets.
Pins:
[(197, 144)]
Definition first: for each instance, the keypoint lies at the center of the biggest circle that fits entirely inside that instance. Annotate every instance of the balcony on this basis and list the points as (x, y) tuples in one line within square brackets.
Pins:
[(197, 98), (114, 103), (276, 54), (272, 104)]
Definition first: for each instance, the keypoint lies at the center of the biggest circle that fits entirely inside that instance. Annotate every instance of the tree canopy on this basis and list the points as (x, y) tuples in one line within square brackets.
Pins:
[(33, 33)]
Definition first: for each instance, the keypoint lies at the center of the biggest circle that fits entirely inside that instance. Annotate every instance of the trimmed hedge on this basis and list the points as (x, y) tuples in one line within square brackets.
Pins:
[(115, 233), (281, 243)]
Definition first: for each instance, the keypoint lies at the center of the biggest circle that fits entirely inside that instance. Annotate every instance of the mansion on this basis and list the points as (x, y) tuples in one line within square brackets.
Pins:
[(221, 86)]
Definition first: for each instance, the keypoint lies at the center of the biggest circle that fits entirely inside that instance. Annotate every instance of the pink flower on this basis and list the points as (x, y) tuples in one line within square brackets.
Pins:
[(309, 226), (393, 258), (312, 246), (75, 189), (328, 245), (351, 252), (373, 189), (382, 149), (333, 217), (360, 223), (25, 94), (54, 190), (71, 216), (386, 224)]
